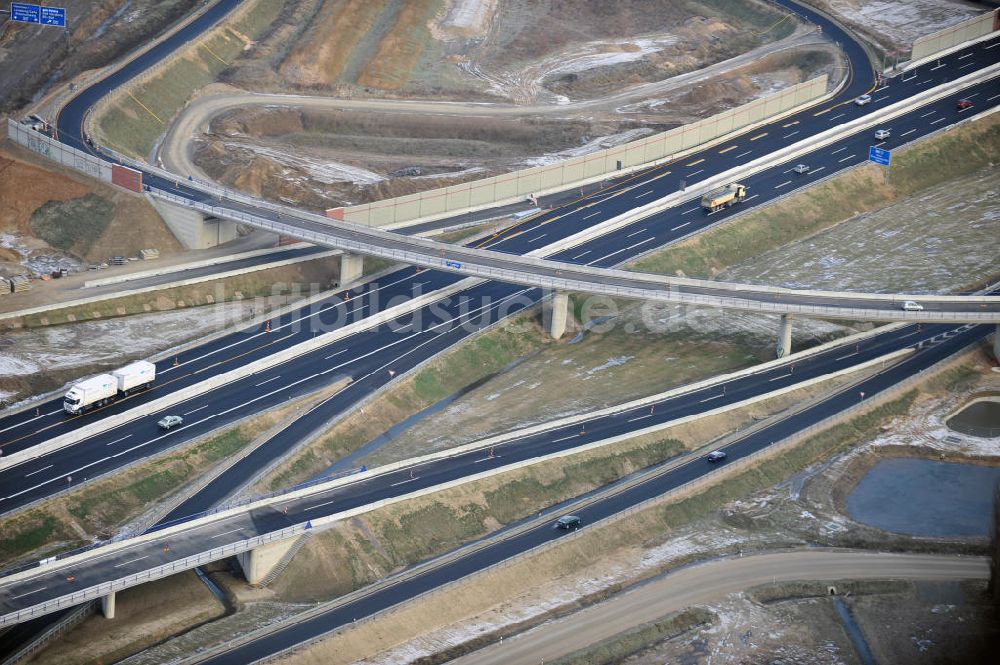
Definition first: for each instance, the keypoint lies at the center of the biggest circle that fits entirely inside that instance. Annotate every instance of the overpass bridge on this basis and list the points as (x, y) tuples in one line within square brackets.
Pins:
[(264, 533)]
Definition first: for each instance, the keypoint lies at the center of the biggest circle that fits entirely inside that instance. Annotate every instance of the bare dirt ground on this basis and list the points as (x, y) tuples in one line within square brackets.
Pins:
[(33, 58), (578, 76), (894, 25), (938, 241), (36, 197)]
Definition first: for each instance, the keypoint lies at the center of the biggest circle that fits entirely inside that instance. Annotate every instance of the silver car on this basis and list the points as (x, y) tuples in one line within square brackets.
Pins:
[(168, 422), (863, 99)]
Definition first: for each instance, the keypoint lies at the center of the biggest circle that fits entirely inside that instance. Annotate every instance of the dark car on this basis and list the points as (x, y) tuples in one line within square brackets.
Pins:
[(964, 104), (568, 522), (716, 456)]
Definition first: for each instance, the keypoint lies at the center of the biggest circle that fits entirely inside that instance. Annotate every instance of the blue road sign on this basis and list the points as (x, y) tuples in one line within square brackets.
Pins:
[(879, 156), (453, 264), (54, 16), (25, 13)]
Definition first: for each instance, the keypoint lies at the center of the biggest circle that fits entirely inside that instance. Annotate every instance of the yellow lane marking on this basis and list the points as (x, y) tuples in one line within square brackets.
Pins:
[(759, 136), (696, 162), (732, 147), (789, 124)]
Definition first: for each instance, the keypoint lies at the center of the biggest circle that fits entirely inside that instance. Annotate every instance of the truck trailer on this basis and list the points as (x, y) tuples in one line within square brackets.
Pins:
[(724, 197), (104, 389), (137, 376)]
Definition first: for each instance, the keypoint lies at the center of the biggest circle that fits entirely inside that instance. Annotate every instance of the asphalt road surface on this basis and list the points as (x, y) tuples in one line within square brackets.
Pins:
[(711, 581)]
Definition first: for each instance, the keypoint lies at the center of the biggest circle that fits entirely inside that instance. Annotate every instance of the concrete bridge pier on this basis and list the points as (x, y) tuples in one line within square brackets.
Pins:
[(555, 313), (108, 605), (784, 336), (351, 267), (996, 343), (193, 229), (259, 561)]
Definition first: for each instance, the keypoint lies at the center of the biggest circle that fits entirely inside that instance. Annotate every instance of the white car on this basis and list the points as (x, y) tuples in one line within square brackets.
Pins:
[(801, 168), (912, 306), (863, 99), (881, 134)]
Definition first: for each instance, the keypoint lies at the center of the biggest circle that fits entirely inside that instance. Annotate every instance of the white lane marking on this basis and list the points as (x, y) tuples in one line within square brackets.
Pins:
[(648, 415), (934, 122), (486, 459), (878, 99), (646, 193), (273, 378), (990, 99), (928, 113), (681, 226), (972, 95), (788, 136), (25, 422), (39, 471), (536, 238), (968, 64), (319, 505), (847, 356), (838, 116), (336, 354), (592, 214), (908, 334), (624, 249), (787, 182), (28, 593), (924, 81), (906, 133), (813, 172), (121, 439), (933, 68), (689, 175), (756, 195), (962, 57), (987, 48), (125, 563), (783, 376), (880, 144), (566, 438), (635, 233), (709, 399), (579, 256), (743, 154), (188, 413), (403, 482), (839, 150), (691, 210), (59, 477), (840, 161), (224, 533)]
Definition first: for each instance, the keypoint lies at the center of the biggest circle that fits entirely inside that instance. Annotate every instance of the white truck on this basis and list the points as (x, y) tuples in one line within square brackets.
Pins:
[(103, 389)]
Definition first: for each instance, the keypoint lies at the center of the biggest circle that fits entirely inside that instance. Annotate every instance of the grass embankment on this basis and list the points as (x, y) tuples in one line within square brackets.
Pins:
[(274, 287), (97, 509), (399, 49), (139, 114), (862, 190), (416, 527), (449, 373)]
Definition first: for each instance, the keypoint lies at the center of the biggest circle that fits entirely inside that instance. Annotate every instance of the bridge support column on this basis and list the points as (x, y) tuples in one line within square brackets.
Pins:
[(259, 561), (555, 314), (784, 336), (996, 343), (108, 605), (351, 267), (193, 229)]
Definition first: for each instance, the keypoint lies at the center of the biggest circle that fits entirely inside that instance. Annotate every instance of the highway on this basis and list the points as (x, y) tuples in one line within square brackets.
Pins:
[(369, 355), (175, 543), (711, 581), (369, 359)]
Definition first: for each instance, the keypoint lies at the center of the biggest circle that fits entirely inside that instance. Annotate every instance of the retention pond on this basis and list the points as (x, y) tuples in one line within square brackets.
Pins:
[(922, 497)]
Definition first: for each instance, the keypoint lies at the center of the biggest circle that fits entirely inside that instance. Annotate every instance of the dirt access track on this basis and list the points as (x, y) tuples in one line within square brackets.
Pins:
[(520, 84), (712, 580)]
